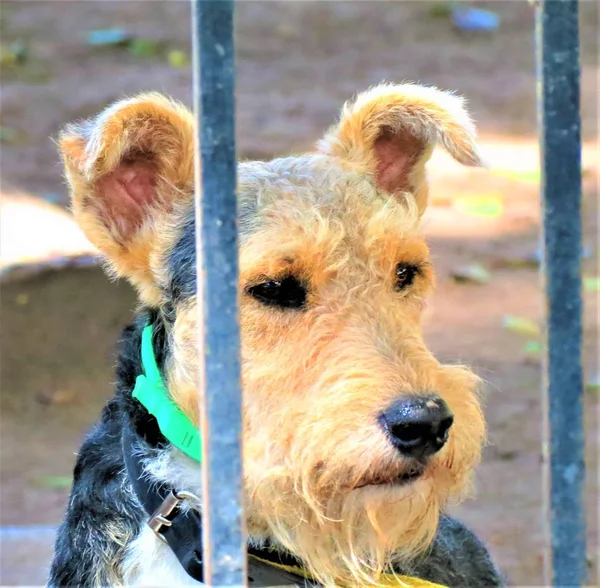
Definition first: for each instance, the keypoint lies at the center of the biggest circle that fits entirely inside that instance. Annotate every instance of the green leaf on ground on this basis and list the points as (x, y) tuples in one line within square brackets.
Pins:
[(14, 54), (532, 348), (522, 175), (439, 9), (487, 205), (527, 261), (143, 48), (521, 325), (22, 299), (593, 384), (178, 59), (591, 284), (8, 135), (471, 274)]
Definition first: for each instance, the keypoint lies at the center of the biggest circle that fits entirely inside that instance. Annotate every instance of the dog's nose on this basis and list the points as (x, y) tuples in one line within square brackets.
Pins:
[(418, 425)]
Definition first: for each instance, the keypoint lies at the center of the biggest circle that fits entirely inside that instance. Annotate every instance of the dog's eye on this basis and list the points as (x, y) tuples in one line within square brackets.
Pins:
[(405, 275), (285, 293)]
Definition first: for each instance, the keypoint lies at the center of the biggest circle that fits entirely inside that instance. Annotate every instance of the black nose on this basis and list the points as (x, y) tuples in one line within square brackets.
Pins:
[(418, 425)]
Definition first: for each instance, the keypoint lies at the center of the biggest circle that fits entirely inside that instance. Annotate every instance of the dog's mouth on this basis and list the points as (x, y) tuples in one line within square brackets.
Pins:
[(405, 478)]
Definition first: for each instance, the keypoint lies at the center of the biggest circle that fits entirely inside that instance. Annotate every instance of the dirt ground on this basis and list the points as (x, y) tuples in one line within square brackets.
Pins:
[(297, 62)]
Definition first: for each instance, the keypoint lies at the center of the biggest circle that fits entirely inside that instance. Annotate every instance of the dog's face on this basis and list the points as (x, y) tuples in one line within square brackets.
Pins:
[(354, 435)]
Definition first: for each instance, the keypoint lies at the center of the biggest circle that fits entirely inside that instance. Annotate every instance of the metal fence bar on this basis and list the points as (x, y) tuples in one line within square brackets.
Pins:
[(560, 132), (217, 248)]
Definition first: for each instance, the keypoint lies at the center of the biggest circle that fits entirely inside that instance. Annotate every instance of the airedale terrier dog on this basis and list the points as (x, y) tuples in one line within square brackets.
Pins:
[(355, 437)]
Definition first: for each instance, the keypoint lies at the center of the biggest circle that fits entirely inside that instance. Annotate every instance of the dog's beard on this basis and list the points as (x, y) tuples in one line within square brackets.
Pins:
[(351, 536), (377, 522), (320, 492)]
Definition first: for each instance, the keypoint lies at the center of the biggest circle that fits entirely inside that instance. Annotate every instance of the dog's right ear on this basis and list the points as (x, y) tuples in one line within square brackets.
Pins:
[(127, 169)]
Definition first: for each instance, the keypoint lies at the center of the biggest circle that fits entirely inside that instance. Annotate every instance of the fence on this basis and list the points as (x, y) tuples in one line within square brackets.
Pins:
[(560, 135), (216, 246), (559, 123)]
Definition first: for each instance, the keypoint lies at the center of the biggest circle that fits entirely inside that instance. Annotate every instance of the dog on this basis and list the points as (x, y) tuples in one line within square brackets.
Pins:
[(355, 437)]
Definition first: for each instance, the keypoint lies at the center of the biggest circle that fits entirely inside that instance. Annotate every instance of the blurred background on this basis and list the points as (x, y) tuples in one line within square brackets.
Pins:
[(297, 63)]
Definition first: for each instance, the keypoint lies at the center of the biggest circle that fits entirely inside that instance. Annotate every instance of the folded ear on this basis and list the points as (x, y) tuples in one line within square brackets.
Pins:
[(127, 169), (390, 131)]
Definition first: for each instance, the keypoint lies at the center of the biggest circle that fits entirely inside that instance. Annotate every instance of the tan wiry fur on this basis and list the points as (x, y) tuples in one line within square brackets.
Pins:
[(314, 382)]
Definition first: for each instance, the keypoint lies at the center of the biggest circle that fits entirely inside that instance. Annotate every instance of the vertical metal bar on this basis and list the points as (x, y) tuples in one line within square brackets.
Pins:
[(560, 132), (217, 248)]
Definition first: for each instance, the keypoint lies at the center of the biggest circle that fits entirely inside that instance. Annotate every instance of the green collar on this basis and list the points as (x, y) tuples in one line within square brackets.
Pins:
[(153, 394)]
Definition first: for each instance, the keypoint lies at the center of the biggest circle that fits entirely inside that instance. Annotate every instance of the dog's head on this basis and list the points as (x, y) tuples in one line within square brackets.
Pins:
[(355, 435)]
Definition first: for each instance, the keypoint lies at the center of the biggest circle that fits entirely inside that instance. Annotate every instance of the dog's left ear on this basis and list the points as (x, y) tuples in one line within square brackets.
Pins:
[(390, 131)]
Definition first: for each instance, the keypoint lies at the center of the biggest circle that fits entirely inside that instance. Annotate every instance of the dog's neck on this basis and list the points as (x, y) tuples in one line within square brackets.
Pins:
[(161, 461), (157, 478), (157, 462)]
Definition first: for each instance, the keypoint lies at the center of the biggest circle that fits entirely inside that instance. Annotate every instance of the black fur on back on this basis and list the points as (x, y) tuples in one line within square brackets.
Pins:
[(103, 515)]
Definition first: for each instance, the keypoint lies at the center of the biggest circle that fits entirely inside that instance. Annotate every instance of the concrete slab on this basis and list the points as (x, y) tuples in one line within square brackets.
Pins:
[(36, 235)]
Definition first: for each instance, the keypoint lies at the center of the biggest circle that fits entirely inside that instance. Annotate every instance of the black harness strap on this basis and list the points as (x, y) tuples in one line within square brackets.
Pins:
[(183, 534), (182, 529)]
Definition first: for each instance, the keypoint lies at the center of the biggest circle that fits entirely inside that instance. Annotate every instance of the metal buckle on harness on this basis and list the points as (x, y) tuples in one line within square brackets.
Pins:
[(159, 519)]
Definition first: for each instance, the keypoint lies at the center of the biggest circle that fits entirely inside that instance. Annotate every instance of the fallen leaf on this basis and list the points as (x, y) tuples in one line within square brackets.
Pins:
[(8, 135), (487, 205), (508, 455), (22, 299), (529, 176), (593, 384), (471, 274), (55, 397), (529, 261), (532, 259), (15, 54), (178, 59), (55, 481), (19, 50), (521, 325), (439, 9), (532, 348), (591, 284), (143, 48), (532, 351)]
